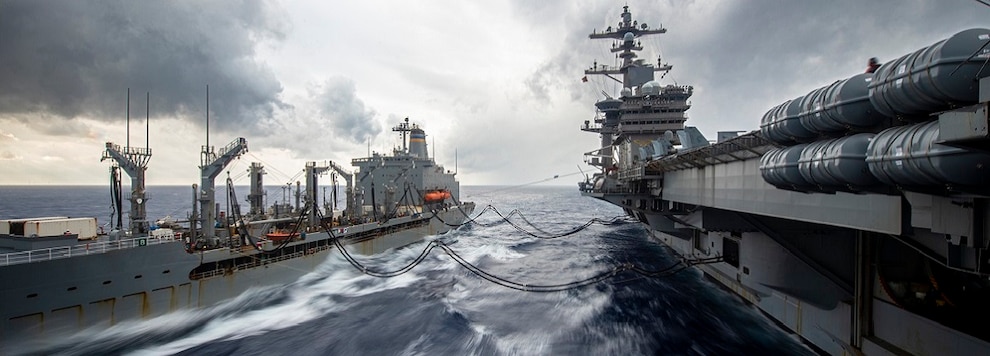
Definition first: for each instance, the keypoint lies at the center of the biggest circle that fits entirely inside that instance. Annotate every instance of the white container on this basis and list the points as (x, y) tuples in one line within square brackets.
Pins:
[(6, 225), (84, 227)]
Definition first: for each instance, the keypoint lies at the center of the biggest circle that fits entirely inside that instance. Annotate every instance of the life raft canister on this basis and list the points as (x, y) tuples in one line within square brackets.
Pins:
[(436, 196)]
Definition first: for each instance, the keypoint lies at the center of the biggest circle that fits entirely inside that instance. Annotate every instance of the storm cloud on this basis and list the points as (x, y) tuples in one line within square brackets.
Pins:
[(339, 105), (67, 59), (498, 82)]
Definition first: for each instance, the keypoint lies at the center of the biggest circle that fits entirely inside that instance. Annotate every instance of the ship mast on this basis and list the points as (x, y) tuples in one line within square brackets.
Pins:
[(634, 73), (257, 194), (134, 162), (404, 128), (313, 172), (211, 164), (352, 209)]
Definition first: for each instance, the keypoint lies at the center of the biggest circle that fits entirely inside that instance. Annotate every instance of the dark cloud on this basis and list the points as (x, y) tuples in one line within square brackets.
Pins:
[(77, 58), (338, 104)]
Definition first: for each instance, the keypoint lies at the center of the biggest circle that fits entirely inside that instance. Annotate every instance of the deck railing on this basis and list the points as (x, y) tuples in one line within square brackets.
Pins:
[(260, 261), (53, 253)]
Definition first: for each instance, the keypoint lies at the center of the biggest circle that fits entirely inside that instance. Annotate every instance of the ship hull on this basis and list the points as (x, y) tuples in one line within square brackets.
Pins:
[(58, 297), (813, 280)]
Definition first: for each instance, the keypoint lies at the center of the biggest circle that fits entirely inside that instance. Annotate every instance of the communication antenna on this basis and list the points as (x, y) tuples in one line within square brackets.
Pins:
[(147, 121), (207, 115), (128, 118)]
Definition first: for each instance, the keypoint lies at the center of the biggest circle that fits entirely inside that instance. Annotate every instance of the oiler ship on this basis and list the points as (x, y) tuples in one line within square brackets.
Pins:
[(856, 216), (61, 275)]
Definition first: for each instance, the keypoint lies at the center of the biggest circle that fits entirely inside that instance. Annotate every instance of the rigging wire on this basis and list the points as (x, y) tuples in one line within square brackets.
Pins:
[(364, 269), (237, 177), (505, 219), (546, 235), (551, 235), (474, 269), (641, 273), (269, 166), (295, 177), (486, 193), (525, 287)]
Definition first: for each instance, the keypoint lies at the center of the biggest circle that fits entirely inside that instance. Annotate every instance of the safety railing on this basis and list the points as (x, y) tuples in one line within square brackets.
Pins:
[(259, 261), (54, 253)]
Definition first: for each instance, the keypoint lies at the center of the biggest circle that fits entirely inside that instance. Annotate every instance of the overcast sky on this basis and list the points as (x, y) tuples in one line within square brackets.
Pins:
[(499, 82)]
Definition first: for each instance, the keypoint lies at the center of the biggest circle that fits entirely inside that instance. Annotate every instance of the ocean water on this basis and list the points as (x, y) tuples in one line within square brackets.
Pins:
[(440, 308)]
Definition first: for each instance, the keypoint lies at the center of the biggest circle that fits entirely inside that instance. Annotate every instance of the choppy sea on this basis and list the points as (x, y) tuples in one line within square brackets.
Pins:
[(440, 308)]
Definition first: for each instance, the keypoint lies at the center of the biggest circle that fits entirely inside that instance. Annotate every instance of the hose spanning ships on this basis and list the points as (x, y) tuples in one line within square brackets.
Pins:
[(856, 217), (73, 280)]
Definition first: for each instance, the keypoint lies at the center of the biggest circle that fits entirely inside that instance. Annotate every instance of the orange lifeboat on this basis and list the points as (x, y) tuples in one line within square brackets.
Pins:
[(279, 236), (436, 196)]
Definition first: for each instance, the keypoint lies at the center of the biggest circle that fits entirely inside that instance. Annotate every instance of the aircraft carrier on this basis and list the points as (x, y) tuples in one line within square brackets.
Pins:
[(855, 217)]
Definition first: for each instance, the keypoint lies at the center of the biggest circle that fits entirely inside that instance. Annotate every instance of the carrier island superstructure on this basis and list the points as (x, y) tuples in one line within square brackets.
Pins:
[(59, 283), (856, 216)]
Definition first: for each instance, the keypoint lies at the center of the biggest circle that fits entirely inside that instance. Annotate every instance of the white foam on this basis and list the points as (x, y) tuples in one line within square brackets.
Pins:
[(307, 299)]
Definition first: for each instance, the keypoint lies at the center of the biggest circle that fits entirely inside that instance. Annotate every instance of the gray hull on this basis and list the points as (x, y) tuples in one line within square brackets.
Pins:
[(812, 263), (56, 297)]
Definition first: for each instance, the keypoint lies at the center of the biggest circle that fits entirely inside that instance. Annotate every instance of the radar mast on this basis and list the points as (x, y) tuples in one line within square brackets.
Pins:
[(634, 73)]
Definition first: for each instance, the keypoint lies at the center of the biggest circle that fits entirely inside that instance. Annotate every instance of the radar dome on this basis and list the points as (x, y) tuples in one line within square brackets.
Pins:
[(626, 92), (651, 88), (628, 37)]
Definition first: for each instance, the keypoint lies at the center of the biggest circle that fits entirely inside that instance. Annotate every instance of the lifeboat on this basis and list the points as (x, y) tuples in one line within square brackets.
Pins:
[(279, 236), (436, 196)]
